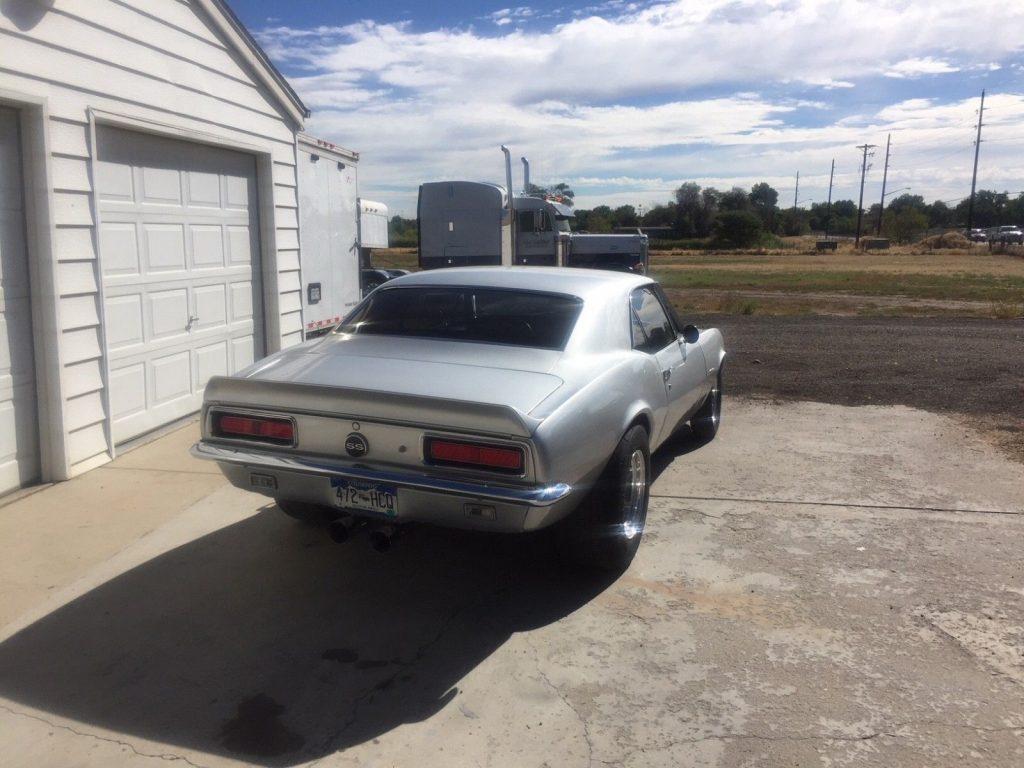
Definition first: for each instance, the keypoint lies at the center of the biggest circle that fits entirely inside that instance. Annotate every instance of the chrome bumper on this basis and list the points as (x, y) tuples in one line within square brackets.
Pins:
[(533, 496)]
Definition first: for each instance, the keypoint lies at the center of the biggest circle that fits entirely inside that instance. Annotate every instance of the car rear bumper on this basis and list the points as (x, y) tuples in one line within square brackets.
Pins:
[(445, 501)]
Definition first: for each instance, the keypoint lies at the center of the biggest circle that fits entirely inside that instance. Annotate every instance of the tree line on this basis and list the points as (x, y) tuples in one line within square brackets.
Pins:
[(741, 217), (737, 217)]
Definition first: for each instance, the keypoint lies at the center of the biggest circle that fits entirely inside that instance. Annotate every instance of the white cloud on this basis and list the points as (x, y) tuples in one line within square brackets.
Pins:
[(621, 91), (927, 65)]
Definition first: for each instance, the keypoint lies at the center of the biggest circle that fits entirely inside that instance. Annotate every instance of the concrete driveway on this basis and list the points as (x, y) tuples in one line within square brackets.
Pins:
[(821, 585)]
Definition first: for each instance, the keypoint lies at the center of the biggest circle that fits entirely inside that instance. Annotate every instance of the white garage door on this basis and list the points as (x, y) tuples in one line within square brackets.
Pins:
[(19, 437), (180, 256)]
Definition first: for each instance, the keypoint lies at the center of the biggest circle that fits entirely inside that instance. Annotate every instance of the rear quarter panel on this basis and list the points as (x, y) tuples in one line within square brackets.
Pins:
[(573, 443)]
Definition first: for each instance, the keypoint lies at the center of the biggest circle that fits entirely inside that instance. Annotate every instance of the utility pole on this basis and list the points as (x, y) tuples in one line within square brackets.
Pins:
[(828, 208), (974, 176), (796, 192), (860, 203), (885, 176)]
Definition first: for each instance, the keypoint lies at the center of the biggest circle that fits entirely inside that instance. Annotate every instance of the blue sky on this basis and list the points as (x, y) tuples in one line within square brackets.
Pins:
[(626, 100)]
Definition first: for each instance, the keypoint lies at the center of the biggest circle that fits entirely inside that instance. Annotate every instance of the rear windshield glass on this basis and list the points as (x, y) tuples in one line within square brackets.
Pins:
[(465, 313)]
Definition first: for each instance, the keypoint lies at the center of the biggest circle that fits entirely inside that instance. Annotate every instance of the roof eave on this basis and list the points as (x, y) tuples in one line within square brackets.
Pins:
[(236, 33)]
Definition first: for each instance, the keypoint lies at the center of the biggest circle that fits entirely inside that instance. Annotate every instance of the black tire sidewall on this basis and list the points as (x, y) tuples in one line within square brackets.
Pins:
[(603, 546)]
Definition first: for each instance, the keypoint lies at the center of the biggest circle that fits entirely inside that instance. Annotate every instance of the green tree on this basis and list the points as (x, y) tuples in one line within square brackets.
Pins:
[(765, 202), (736, 199), (688, 209), (904, 224), (737, 229), (625, 216)]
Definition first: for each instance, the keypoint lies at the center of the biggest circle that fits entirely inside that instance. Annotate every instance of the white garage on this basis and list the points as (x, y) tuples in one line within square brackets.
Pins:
[(148, 221)]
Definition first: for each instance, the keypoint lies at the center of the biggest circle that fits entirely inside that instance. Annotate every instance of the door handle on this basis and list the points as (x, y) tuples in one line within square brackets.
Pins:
[(191, 320)]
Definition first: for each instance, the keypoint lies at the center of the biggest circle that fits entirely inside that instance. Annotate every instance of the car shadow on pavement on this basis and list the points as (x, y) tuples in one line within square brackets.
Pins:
[(266, 642), (679, 444)]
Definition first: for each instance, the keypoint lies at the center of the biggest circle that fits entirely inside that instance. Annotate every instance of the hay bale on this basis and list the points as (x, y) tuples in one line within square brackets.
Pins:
[(954, 241)]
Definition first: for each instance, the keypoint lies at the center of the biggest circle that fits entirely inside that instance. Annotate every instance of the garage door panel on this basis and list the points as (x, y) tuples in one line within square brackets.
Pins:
[(165, 247), (168, 313), (204, 189), (120, 247), (115, 182), (242, 353), (161, 186), (124, 321), (13, 254), (16, 359), (193, 207), (207, 246), (239, 190), (241, 300), (210, 306), (171, 377), (128, 390), (211, 360), (240, 244)]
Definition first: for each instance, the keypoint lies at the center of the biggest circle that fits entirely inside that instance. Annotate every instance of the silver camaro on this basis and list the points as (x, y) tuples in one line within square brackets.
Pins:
[(501, 399)]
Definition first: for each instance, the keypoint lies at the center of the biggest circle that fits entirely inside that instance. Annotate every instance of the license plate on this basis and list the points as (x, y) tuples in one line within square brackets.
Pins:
[(363, 496)]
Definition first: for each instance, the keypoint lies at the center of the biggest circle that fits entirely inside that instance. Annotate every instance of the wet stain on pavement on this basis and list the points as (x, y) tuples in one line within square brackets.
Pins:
[(257, 730), (341, 655)]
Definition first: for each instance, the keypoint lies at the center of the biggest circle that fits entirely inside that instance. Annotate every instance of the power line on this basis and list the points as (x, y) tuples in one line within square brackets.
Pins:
[(974, 176)]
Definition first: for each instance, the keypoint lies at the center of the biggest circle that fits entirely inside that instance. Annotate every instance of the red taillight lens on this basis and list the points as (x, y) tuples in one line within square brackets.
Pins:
[(254, 428), (475, 455)]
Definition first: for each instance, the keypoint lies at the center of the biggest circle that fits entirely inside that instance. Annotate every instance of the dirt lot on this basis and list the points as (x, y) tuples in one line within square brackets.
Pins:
[(962, 366)]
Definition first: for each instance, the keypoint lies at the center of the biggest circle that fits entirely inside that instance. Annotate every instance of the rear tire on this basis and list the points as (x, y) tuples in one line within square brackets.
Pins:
[(611, 521), (706, 421), (310, 514)]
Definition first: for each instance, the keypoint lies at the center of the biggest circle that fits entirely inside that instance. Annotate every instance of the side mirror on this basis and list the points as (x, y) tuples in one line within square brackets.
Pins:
[(691, 334)]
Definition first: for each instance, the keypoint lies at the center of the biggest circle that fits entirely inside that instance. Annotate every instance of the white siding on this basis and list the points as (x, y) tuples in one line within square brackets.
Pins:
[(155, 60)]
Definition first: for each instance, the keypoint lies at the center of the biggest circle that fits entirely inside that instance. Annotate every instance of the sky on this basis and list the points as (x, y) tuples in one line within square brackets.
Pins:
[(624, 101)]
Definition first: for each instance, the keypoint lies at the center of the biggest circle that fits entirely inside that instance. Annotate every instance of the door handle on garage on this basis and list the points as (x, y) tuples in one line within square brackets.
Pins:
[(191, 320)]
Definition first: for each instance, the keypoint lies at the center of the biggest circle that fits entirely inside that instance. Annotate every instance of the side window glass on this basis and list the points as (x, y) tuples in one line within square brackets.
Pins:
[(526, 221), (652, 330), (543, 221)]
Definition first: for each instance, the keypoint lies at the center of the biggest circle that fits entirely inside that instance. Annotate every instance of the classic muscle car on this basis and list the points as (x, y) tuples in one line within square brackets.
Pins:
[(504, 399)]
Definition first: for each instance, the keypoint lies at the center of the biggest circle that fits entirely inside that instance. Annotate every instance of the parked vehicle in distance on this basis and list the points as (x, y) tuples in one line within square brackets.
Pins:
[(499, 399), (374, 278), (1008, 233), (468, 223), (977, 236)]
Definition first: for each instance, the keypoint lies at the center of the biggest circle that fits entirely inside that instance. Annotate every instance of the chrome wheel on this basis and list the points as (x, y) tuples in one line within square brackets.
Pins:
[(633, 517)]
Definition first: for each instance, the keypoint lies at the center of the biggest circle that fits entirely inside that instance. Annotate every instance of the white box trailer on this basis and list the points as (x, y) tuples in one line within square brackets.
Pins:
[(373, 227), (329, 226)]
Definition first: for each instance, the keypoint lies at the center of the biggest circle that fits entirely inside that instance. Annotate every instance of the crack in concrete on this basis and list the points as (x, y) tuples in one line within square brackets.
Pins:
[(165, 756), (841, 504), (565, 700)]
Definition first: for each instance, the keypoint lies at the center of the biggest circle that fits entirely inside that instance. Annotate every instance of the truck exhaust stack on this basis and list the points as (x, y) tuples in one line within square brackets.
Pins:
[(526, 175), (508, 174)]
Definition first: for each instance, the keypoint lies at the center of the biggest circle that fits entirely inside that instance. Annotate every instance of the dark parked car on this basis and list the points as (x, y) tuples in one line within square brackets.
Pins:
[(374, 278)]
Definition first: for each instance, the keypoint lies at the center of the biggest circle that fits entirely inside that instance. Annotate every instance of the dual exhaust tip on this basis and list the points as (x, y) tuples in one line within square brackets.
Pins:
[(382, 537)]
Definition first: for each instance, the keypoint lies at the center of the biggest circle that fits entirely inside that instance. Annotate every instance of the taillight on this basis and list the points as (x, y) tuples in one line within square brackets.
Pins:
[(474, 455), (241, 427)]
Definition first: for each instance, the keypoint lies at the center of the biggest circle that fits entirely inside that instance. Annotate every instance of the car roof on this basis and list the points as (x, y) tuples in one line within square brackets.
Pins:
[(575, 282)]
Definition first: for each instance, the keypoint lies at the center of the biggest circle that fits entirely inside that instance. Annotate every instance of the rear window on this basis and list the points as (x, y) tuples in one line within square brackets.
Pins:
[(465, 313)]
